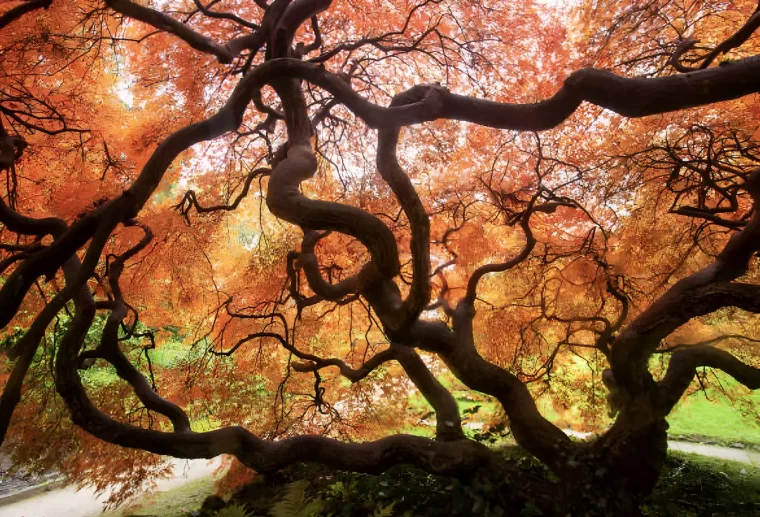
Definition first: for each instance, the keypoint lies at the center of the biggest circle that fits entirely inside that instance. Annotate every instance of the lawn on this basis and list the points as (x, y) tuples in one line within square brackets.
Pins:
[(714, 419)]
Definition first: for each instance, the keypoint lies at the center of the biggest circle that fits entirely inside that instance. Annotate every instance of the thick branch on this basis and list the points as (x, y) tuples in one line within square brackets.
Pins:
[(419, 222), (630, 97), (531, 430), (698, 294), (683, 366), (22, 224), (20, 10), (25, 350), (680, 304), (307, 261), (109, 349), (448, 422), (736, 40), (439, 457), (98, 224), (224, 16), (285, 200), (225, 53)]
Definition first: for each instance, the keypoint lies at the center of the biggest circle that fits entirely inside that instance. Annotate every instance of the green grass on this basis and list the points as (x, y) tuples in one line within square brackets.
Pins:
[(695, 418), (713, 419)]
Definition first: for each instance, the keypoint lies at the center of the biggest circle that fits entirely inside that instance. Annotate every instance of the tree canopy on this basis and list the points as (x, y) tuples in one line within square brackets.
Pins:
[(254, 228)]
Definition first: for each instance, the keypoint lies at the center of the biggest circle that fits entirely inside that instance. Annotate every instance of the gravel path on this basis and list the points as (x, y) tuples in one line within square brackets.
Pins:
[(714, 451), (70, 502), (739, 454)]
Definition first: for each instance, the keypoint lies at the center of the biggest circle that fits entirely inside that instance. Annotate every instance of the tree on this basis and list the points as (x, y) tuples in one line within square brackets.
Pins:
[(443, 181)]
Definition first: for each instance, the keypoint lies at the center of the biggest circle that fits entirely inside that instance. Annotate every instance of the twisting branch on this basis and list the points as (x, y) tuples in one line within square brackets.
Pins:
[(681, 49), (224, 16), (307, 262), (530, 243), (250, 337), (448, 425), (700, 293), (190, 200), (419, 222), (312, 363), (630, 97), (286, 201), (735, 40), (109, 350), (683, 367)]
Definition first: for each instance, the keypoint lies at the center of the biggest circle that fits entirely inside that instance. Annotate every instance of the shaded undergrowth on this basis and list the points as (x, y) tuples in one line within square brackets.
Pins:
[(690, 486)]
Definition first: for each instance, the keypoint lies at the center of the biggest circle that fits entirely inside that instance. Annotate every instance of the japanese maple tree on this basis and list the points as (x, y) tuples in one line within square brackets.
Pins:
[(249, 228)]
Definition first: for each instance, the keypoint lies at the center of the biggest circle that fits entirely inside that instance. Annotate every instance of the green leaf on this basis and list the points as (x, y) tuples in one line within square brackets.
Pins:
[(386, 511), (235, 510), (293, 503)]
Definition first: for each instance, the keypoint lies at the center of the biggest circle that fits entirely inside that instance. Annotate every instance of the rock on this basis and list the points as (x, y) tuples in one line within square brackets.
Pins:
[(737, 445)]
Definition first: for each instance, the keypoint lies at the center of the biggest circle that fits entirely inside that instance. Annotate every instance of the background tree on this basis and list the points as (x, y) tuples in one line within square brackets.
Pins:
[(234, 176)]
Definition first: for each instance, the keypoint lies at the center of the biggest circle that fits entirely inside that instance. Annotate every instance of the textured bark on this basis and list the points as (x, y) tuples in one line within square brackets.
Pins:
[(20, 10), (448, 425)]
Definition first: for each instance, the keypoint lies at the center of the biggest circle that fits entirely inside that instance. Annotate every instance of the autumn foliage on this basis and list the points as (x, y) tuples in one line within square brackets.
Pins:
[(271, 229)]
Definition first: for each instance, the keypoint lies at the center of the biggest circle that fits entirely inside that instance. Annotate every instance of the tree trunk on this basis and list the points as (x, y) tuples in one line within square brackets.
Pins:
[(617, 472)]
